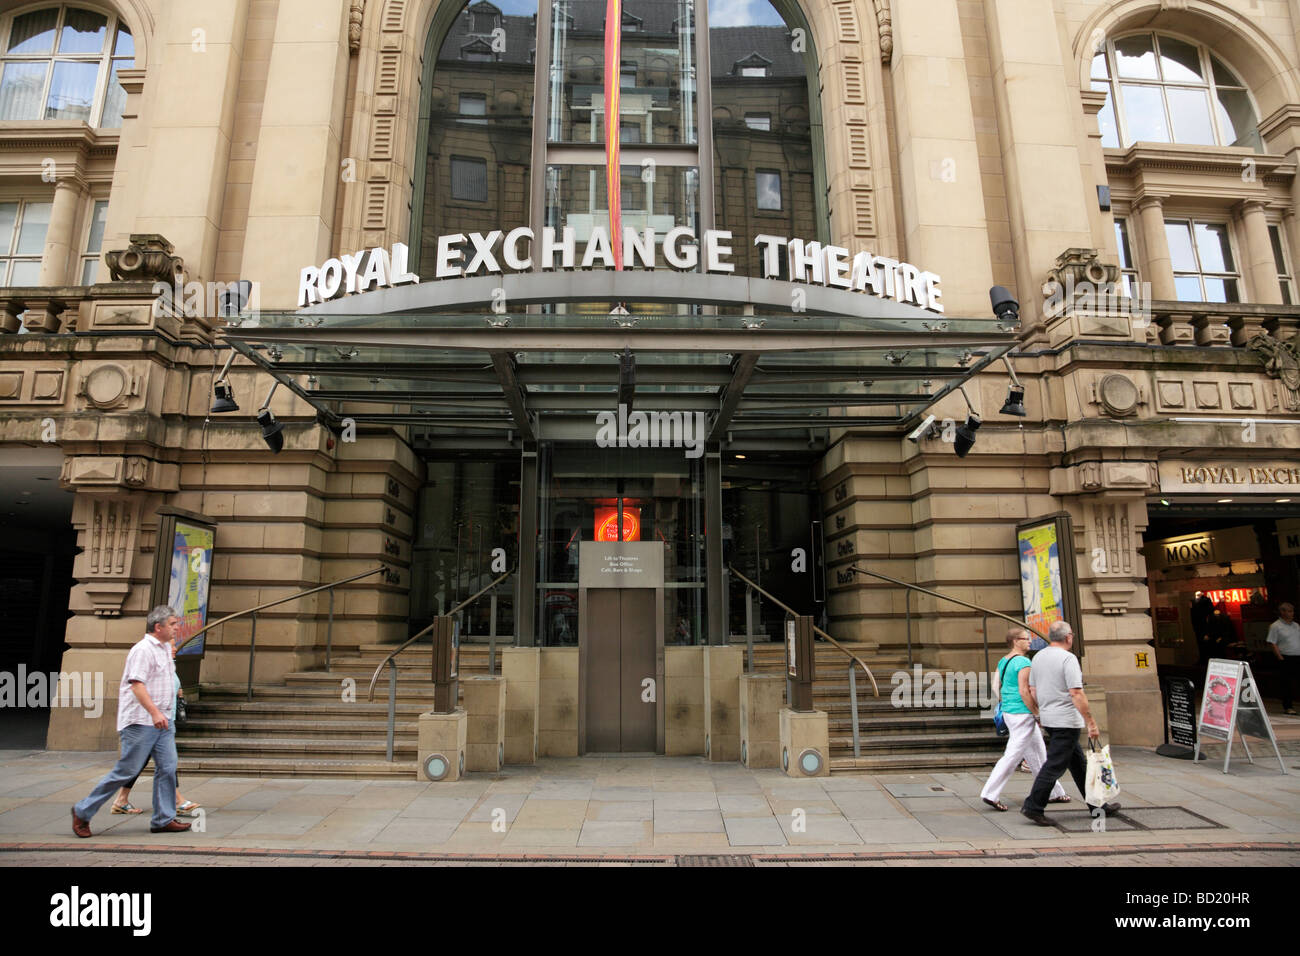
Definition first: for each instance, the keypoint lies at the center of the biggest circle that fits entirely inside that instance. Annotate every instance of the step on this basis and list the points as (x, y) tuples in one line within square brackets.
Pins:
[(898, 743), (914, 763), (337, 748), (219, 725), (889, 726), (331, 711), (296, 767)]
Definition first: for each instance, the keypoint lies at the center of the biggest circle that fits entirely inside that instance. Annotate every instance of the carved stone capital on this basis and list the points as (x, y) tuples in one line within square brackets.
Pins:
[(148, 258)]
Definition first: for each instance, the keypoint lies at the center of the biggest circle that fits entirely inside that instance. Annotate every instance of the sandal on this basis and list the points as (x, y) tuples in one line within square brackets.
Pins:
[(1063, 798), (126, 808), (995, 804), (187, 808)]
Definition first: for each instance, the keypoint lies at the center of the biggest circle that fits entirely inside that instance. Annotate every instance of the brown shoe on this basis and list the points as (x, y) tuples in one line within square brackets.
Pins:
[(174, 826), (79, 826)]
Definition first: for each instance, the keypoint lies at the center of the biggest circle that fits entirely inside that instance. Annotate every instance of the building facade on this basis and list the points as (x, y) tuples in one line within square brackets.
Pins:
[(1127, 170)]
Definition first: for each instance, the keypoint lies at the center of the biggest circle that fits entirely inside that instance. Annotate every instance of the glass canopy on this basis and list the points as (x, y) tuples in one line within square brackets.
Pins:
[(528, 375)]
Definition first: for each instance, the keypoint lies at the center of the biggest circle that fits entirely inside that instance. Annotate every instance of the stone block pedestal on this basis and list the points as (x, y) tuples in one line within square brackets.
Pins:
[(760, 724), (443, 736), (805, 743), (485, 705), (722, 666), (521, 670)]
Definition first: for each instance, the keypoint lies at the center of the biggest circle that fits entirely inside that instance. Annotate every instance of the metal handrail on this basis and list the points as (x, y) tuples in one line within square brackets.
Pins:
[(391, 662), (252, 639), (974, 607), (816, 630)]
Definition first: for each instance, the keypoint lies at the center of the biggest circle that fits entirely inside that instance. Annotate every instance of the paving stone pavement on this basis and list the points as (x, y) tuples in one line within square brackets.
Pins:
[(656, 809)]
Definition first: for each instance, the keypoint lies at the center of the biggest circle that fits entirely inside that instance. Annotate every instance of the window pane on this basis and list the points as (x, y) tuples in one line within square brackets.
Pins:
[(1179, 61), (89, 269), (1099, 69), (1286, 293), (1212, 244), (469, 179), (1275, 238), (656, 75), (1180, 246), (34, 32), (20, 90), (1188, 288), (1145, 114), (8, 216), (98, 216), (1106, 118), (1121, 240), (71, 91), (769, 190), (83, 32), (115, 97), (125, 45), (576, 197), (629, 132), (1190, 110), (759, 121), (1237, 117), (1220, 290), (472, 105), (31, 235), (1222, 75), (25, 272), (1134, 57)]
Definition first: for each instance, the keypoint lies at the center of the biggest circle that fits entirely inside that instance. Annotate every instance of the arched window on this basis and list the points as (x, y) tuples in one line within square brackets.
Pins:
[(489, 165), (61, 63), (1163, 89)]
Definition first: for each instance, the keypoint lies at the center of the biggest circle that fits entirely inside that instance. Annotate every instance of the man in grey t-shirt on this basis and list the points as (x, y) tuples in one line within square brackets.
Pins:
[(1056, 685), (1284, 636)]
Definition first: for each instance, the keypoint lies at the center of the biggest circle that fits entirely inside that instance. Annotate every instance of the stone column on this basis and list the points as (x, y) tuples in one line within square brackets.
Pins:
[(1158, 266), (60, 236), (1259, 254), (1039, 126), (291, 203), (944, 224)]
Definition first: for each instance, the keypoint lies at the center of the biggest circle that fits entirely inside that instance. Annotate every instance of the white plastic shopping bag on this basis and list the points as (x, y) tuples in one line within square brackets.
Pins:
[(1101, 786)]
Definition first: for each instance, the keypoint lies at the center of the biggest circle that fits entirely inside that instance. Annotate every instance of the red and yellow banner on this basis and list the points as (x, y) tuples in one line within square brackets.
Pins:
[(613, 62)]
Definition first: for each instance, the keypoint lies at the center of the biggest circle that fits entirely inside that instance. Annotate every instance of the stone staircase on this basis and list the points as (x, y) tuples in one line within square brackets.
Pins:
[(305, 727), (916, 739)]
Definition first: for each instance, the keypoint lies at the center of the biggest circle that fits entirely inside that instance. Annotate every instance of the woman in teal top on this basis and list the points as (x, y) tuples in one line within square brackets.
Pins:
[(1025, 741)]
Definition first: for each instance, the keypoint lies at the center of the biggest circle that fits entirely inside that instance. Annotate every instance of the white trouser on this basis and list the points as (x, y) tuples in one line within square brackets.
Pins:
[(1026, 744)]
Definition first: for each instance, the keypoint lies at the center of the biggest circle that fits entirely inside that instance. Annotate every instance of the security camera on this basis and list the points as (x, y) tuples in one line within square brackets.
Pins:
[(921, 430)]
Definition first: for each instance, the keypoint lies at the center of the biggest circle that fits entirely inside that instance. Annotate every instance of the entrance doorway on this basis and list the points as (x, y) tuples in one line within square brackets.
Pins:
[(620, 660)]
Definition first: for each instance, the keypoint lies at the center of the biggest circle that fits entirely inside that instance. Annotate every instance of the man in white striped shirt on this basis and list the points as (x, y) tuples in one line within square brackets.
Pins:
[(145, 703)]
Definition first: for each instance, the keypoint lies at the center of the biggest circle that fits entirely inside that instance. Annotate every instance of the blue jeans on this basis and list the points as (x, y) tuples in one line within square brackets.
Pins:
[(139, 742)]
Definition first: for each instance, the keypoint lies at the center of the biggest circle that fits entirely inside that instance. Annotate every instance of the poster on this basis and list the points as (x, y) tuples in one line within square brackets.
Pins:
[(1221, 680), (1040, 575), (1179, 703), (191, 573)]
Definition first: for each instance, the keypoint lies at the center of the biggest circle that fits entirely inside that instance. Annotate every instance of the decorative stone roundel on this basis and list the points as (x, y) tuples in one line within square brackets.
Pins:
[(1118, 394), (106, 386)]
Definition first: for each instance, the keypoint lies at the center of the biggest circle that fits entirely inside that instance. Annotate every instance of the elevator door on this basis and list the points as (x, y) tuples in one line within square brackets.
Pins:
[(620, 656)]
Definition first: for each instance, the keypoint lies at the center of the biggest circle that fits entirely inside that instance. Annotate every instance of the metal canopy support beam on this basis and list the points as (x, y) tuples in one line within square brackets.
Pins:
[(742, 368), (526, 579), (505, 366), (718, 598)]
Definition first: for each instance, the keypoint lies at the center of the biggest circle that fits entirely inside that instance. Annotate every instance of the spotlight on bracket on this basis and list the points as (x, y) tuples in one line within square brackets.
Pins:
[(1005, 307), (223, 399), (1015, 403), (965, 439), (272, 430)]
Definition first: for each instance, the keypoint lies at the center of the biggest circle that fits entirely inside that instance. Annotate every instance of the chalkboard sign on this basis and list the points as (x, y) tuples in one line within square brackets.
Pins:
[(1180, 711)]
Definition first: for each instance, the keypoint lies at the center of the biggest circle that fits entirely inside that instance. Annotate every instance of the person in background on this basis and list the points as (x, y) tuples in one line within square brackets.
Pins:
[(1284, 636), (184, 808), (1202, 611), (1022, 723), (1056, 694), (1222, 632), (144, 722)]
